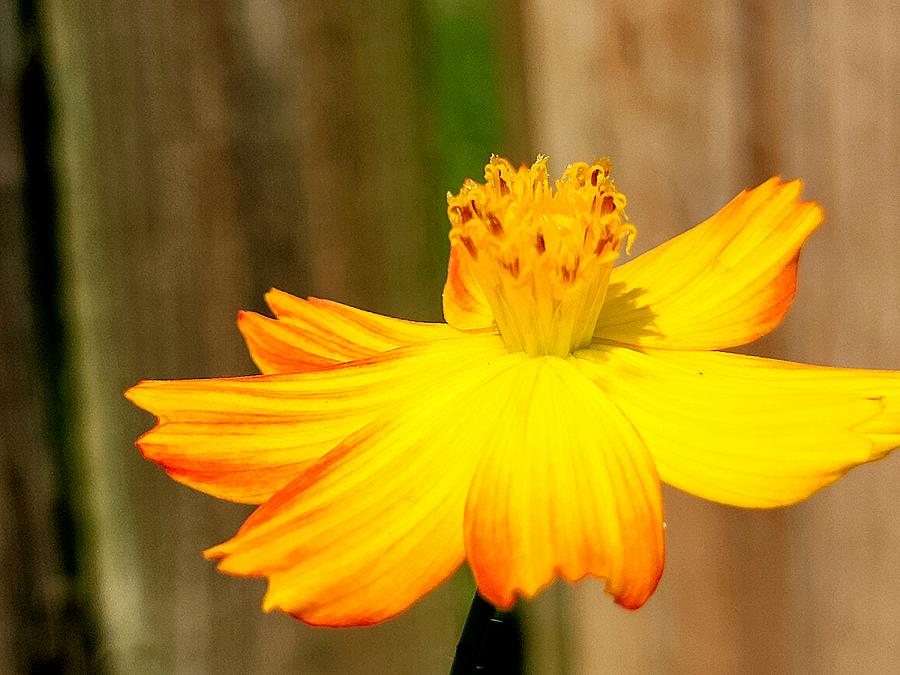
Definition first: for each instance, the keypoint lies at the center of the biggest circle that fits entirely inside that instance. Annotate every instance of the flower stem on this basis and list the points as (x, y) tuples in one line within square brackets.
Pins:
[(490, 641)]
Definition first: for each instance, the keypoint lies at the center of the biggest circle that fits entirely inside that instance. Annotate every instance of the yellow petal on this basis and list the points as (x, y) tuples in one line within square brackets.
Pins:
[(311, 333), (883, 385), (244, 438), (567, 489), (377, 522), (465, 305), (747, 431), (722, 283)]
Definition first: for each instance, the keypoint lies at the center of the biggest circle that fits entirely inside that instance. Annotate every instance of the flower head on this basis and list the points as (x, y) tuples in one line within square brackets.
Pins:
[(528, 434)]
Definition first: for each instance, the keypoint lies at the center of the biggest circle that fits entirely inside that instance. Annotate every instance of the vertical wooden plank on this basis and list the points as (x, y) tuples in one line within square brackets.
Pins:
[(20, 401), (684, 99), (843, 116), (136, 237), (43, 625), (204, 155)]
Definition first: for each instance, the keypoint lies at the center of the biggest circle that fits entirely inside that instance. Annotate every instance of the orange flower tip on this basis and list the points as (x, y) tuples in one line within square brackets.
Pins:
[(542, 254), (631, 604), (283, 303), (271, 604), (324, 615), (224, 565), (253, 325), (328, 621), (223, 554), (143, 446), (638, 598), (217, 552), (137, 394), (130, 392), (506, 599), (334, 623)]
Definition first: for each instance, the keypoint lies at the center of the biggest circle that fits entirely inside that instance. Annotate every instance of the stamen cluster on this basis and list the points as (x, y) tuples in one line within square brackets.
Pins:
[(542, 255)]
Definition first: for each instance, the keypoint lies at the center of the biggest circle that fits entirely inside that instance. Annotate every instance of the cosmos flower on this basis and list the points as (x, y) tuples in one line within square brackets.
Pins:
[(528, 434)]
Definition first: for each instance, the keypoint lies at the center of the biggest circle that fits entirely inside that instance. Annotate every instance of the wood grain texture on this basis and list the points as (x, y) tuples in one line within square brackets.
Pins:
[(843, 116), (44, 625), (695, 101), (205, 156)]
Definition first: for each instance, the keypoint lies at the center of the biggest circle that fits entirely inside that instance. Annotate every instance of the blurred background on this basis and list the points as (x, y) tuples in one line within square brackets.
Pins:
[(162, 164)]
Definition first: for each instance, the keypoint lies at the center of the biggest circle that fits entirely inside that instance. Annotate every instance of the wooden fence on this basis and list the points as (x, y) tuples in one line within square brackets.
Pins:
[(163, 164)]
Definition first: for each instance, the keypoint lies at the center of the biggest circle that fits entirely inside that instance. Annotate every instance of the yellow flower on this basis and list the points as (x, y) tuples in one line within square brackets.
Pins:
[(527, 435)]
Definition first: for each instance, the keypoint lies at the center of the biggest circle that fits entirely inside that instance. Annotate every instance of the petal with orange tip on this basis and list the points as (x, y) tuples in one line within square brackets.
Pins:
[(245, 438), (748, 431), (725, 282), (310, 333), (566, 489), (284, 347), (377, 522), (465, 305)]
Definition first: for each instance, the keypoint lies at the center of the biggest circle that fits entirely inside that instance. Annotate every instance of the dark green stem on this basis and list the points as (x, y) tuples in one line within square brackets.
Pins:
[(490, 641)]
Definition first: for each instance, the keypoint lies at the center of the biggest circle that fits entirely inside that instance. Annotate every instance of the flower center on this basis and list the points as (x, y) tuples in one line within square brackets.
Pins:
[(541, 255)]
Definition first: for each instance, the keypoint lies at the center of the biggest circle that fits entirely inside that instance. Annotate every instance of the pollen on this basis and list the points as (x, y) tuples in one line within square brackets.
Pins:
[(542, 254)]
